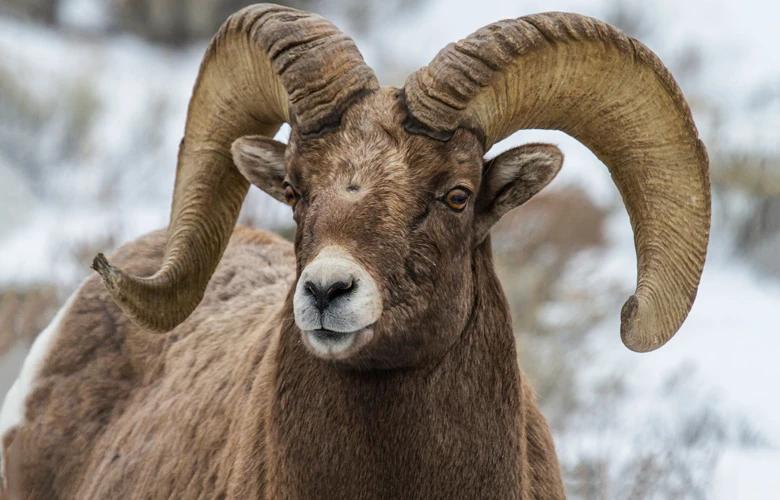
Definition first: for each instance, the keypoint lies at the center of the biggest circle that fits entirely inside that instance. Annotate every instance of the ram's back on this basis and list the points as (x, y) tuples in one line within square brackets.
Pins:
[(103, 409)]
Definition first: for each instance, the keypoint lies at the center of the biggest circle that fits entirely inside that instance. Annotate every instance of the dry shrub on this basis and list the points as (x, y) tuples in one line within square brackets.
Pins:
[(44, 11), (532, 247), (634, 17), (533, 244), (759, 235), (24, 313), (757, 174), (748, 206), (174, 21), (38, 131), (181, 21)]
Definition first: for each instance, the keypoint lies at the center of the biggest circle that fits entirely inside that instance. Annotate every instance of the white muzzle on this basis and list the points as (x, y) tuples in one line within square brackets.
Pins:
[(336, 303)]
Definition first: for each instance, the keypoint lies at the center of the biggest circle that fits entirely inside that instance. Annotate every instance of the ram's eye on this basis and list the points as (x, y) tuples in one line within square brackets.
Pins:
[(290, 195), (457, 198)]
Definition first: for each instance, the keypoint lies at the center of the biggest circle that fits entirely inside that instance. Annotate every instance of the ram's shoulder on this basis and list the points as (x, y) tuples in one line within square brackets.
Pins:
[(255, 272), (91, 357), (251, 249)]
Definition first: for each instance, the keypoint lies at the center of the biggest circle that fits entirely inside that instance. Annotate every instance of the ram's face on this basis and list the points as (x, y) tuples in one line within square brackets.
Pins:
[(383, 238), (387, 222)]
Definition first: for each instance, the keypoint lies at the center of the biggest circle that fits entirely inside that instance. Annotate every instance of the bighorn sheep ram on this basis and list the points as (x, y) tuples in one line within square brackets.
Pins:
[(375, 357)]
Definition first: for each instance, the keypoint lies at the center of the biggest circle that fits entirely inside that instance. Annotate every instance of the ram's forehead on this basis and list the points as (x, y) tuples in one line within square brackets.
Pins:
[(371, 155), (371, 143)]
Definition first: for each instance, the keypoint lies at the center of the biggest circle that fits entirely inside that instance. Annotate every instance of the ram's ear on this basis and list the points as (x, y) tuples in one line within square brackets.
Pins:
[(512, 178), (261, 161)]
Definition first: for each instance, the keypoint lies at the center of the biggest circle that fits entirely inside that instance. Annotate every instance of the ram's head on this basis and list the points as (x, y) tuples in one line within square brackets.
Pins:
[(389, 188)]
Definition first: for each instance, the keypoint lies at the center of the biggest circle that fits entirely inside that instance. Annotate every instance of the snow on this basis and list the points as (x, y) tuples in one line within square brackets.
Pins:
[(747, 475), (731, 338)]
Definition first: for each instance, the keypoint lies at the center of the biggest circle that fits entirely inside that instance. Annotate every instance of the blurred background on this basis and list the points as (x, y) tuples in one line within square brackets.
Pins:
[(93, 95)]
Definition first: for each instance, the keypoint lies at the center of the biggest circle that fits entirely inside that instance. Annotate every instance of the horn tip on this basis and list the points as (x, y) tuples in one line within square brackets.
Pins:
[(631, 329), (107, 272)]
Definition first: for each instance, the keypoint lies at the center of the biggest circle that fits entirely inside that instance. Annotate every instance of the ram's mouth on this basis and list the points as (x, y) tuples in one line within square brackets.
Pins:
[(330, 336), (333, 345)]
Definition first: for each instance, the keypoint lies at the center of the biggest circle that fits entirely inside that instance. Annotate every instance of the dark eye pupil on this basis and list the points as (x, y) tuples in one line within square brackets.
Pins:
[(289, 194), (457, 198)]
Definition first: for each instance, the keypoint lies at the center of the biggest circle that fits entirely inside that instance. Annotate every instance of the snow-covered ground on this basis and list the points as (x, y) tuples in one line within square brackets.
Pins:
[(133, 95)]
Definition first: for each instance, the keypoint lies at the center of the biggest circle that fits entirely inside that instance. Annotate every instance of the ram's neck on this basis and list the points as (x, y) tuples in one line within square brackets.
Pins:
[(332, 433)]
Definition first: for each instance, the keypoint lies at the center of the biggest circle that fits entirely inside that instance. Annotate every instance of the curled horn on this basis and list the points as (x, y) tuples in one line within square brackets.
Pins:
[(586, 78), (266, 65)]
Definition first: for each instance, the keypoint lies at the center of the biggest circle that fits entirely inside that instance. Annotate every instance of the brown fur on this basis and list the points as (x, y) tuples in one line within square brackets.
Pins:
[(231, 405)]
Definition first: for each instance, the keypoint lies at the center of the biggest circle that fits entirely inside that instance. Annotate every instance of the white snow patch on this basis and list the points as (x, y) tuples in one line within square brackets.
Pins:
[(747, 475)]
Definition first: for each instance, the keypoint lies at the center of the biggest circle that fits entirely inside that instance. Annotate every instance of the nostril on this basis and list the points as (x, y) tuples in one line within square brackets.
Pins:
[(319, 295), (340, 288), (323, 296)]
